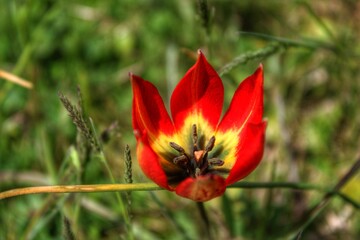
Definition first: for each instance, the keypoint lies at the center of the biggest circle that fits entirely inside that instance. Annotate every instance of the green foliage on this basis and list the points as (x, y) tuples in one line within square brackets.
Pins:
[(311, 57)]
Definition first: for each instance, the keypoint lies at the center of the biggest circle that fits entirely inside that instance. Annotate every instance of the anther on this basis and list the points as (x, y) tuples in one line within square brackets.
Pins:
[(180, 160), (196, 163), (177, 147), (210, 144), (195, 136), (215, 162)]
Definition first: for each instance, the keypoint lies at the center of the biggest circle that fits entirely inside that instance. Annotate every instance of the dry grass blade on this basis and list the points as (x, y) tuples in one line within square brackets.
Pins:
[(15, 79)]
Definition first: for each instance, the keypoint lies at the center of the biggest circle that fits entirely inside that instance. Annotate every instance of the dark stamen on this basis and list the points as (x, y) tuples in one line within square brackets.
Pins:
[(177, 147), (181, 160), (196, 162), (210, 144), (215, 162), (195, 136)]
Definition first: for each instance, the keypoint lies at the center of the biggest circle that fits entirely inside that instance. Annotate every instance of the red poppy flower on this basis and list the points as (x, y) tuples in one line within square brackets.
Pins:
[(193, 153)]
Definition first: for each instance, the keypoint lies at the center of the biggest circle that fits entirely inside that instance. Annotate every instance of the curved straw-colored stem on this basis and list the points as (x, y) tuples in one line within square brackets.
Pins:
[(79, 189), (15, 79), (154, 187)]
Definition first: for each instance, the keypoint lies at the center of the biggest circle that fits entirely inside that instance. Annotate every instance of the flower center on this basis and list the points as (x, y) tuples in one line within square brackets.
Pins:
[(197, 162)]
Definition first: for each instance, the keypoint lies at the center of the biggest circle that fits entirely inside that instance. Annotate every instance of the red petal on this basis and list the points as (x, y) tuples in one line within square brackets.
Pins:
[(149, 112), (249, 152), (200, 92), (247, 103), (202, 188), (152, 129), (150, 163)]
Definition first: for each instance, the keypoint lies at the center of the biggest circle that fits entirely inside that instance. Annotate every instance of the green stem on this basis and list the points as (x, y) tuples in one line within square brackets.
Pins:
[(308, 43), (170, 217), (258, 54), (123, 209), (296, 186), (315, 211), (290, 185), (205, 219), (318, 19)]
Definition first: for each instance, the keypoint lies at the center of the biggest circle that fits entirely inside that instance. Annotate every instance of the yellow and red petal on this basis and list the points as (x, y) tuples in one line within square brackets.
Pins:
[(248, 153), (225, 148), (153, 130), (149, 112), (237, 129), (197, 100), (150, 163), (246, 104), (156, 161), (202, 188), (204, 132), (199, 94)]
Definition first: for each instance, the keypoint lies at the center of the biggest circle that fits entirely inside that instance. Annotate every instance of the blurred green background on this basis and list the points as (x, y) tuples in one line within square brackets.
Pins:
[(311, 59)]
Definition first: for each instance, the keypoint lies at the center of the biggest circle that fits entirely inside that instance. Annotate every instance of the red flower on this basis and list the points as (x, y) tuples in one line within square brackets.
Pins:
[(193, 153)]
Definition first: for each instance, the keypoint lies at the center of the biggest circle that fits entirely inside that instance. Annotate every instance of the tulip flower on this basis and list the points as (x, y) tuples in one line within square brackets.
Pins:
[(192, 152)]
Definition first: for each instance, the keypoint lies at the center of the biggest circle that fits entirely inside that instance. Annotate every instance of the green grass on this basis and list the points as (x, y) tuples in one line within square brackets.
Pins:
[(311, 57)]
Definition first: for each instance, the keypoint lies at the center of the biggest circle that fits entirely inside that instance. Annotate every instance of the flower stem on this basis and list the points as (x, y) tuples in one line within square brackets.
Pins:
[(205, 219), (101, 155)]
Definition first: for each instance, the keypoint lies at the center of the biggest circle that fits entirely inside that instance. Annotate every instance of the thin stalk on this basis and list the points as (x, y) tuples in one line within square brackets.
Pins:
[(290, 185), (205, 219), (43, 216), (128, 177), (154, 187), (15, 79), (249, 56), (318, 20), (319, 208), (170, 217), (205, 15), (79, 189), (123, 209), (296, 186), (307, 43)]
